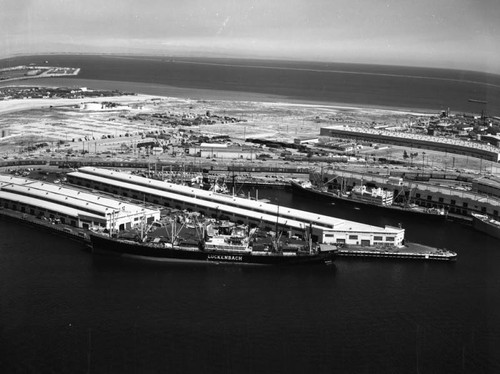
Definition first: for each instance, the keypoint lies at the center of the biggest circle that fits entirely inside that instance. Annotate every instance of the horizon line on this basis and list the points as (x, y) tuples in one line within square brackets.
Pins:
[(267, 58)]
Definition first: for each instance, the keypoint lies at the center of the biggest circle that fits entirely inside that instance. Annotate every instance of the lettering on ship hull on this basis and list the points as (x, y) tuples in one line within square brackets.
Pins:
[(224, 258)]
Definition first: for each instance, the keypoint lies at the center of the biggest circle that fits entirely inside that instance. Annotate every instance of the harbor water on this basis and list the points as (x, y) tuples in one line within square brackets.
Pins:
[(63, 309)]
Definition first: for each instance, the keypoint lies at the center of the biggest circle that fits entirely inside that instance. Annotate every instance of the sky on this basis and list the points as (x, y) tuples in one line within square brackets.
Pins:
[(456, 34)]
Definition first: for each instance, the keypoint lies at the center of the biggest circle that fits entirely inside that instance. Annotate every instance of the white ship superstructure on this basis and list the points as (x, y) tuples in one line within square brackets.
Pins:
[(376, 196)]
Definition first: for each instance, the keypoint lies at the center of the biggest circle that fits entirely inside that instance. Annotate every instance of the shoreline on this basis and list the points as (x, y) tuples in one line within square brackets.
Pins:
[(19, 105), (151, 90)]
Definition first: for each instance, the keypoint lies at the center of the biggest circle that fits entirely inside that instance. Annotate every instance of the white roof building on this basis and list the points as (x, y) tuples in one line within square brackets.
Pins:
[(326, 228), (76, 207)]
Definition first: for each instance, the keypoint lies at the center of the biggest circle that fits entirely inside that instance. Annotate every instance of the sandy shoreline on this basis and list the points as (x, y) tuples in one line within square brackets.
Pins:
[(17, 105), (147, 91)]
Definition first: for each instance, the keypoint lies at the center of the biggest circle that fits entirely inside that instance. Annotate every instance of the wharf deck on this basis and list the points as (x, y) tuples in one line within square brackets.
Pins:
[(412, 251), (67, 231)]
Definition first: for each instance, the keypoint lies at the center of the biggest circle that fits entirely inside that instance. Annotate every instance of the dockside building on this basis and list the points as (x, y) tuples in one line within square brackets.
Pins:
[(71, 206)]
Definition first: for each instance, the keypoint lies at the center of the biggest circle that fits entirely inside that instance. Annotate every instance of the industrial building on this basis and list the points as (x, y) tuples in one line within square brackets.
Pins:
[(442, 144), (306, 140), (324, 229), (487, 186), (222, 151), (71, 206), (491, 139)]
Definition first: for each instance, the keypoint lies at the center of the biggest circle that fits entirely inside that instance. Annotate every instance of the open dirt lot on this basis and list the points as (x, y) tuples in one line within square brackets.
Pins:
[(71, 121), (84, 125)]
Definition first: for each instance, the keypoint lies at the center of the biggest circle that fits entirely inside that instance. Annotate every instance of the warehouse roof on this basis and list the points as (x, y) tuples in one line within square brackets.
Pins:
[(71, 197), (224, 203), (43, 204)]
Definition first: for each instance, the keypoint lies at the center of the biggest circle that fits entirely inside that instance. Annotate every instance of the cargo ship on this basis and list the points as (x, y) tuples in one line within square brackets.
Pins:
[(236, 248), (483, 223), (361, 195)]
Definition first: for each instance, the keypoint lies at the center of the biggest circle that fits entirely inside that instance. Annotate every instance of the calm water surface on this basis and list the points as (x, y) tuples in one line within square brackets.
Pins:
[(65, 310), (355, 84)]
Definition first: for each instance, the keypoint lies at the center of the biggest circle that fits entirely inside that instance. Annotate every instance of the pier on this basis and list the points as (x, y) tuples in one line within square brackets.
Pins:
[(324, 229), (73, 217), (411, 251)]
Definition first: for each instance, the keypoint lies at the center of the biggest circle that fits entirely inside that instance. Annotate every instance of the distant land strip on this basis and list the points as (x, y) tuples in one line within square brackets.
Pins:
[(29, 71)]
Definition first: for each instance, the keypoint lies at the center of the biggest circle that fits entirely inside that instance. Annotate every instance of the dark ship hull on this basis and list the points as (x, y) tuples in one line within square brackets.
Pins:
[(104, 244), (488, 226), (298, 189)]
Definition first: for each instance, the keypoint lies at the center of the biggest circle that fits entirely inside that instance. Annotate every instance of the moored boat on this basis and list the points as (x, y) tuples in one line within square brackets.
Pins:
[(214, 250), (483, 223), (377, 199)]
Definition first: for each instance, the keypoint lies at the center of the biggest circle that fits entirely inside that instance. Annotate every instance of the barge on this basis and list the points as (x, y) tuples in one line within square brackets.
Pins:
[(410, 251)]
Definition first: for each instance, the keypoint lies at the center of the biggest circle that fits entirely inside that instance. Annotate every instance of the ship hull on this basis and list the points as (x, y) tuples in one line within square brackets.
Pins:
[(103, 244), (328, 196), (483, 225)]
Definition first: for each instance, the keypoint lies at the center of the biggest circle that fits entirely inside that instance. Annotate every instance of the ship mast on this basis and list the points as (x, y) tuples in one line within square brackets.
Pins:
[(310, 237), (276, 240)]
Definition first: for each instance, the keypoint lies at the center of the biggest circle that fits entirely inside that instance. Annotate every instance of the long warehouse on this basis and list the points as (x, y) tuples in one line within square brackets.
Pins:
[(325, 229), (71, 206), (436, 143)]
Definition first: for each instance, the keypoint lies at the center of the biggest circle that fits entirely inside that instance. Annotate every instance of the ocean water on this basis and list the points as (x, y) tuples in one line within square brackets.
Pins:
[(355, 84), (63, 309)]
